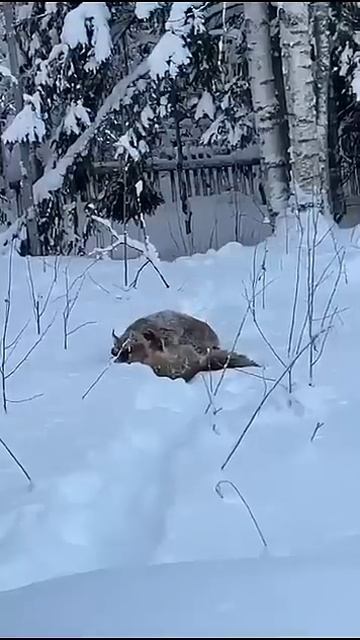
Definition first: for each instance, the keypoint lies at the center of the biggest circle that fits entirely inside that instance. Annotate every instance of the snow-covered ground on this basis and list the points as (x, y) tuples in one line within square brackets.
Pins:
[(126, 478), (267, 597)]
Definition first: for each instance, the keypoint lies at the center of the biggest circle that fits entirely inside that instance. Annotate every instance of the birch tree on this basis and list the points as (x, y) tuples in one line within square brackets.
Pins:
[(307, 131), (266, 105)]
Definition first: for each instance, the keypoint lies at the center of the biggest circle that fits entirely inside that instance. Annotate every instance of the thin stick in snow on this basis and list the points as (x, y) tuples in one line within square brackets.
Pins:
[(263, 275), (311, 253), (215, 410), (261, 404), (317, 285), (126, 266), (97, 379), (12, 345), (99, 285), (132, 244), (34, 397), (5, 375), (80, 326), (17, 461), (259, 329), (318, 426), (246, 505), (5, 328), (233, 347), (32, 348), (296, 290), (70, 304), (326, 334), (39, 309)]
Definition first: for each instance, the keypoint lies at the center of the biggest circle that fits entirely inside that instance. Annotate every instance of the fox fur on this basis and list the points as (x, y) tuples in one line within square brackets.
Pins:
[(175, 345)]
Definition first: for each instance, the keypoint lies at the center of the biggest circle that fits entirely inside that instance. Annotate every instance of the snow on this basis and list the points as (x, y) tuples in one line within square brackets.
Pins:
[(57, 51), (23, 10), (168, 55), (346, 57), (212, 599), (6, 73), (124, 480), (28, 124), (205, 106), (171, 51), (50, 7), (177, 18), (147, 115), (355, 83), (75, 32), (127, 144), (76, 114), (144, 9), (147, 249)]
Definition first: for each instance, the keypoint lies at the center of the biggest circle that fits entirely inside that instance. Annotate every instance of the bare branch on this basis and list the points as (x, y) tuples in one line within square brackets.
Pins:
[(259, 407), (17, 461), (233, 347), (246, 505), (32, 348), (267, 342), (97, 284), (5, 328), (70, 304), (296, 291), (215, 411), (318, 426), (122, 240), (34, 397), (93, 384), (80, 326), (17, 337)]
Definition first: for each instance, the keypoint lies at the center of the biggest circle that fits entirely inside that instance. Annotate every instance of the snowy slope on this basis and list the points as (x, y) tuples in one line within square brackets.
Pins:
[(126, 477), (288, 597)]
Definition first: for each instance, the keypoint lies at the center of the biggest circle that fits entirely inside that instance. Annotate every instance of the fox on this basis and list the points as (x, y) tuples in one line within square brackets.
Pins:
[(175, 345)]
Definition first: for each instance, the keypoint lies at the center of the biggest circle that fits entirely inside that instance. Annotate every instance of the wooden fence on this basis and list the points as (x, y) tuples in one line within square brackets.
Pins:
[(205, 173)]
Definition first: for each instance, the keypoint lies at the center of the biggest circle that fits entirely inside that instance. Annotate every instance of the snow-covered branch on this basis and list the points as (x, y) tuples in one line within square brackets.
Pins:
[(146, 249), (75, 30), (28, 125), (169, 54), (53, 179)]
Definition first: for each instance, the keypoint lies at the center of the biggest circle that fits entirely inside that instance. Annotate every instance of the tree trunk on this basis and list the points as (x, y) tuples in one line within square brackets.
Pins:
[(185, 204), (321, 14), (266, 106), (27, 202), (295, 35), (337, 196), (336, 191)]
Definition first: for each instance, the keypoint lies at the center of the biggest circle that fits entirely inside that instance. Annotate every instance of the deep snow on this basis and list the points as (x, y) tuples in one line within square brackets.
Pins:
[(126, 477), (267, 597)]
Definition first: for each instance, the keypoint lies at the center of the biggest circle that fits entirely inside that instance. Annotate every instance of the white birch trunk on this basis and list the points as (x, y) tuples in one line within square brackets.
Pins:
[(295, 37), (266, 106)]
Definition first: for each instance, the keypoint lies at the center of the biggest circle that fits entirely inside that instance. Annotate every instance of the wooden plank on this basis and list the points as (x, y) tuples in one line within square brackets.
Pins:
[(164, 164)]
